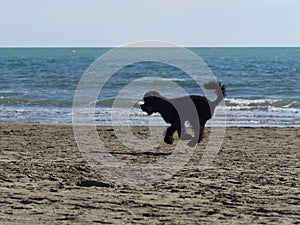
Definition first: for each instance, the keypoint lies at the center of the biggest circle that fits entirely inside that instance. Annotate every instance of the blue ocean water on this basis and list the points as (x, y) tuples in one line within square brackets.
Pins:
[(263, 85)]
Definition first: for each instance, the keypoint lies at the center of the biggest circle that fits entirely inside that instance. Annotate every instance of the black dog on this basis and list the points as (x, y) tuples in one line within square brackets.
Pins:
[(195, 109)]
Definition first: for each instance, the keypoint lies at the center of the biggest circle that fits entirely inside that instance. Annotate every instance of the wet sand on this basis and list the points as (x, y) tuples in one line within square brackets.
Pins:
[(45, 180)]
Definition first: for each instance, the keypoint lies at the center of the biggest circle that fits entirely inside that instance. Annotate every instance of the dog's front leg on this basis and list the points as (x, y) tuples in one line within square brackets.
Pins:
[(169, 134)]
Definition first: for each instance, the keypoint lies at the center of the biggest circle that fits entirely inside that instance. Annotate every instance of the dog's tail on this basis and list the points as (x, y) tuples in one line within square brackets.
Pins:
[(219, 89)]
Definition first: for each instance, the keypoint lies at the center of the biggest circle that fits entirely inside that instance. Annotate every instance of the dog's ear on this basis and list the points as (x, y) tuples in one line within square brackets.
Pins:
[(152, 94)]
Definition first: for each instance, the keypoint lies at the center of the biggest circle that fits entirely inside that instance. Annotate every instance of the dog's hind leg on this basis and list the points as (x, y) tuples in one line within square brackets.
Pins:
[(201, 133), (198, 129)]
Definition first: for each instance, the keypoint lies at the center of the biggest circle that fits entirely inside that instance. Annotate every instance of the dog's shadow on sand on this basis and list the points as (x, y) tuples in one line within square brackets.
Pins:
[(142, 133), (146, 153)]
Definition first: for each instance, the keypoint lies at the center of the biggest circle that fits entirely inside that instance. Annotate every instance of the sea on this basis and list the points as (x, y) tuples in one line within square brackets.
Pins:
[(39, 85)]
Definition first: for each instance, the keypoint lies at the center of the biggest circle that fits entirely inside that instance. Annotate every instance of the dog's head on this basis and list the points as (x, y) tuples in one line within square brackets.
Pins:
[(149, 105)]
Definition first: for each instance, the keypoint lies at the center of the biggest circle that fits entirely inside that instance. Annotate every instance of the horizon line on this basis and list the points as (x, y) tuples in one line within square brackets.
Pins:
[(187, 46)]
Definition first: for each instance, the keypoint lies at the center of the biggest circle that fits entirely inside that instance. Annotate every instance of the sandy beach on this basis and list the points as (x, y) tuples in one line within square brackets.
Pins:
[(44, 180)]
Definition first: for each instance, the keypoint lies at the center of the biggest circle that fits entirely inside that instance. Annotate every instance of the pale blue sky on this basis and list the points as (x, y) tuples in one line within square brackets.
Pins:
[(116, 22)]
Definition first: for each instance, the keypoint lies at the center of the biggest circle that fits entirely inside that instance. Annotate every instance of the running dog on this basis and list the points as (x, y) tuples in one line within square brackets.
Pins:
[(176, 111)]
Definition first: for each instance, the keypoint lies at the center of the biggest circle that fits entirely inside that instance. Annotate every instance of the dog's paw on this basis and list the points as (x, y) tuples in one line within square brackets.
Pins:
[(200, 139), (169, 140), (192, 143), (186, 137)]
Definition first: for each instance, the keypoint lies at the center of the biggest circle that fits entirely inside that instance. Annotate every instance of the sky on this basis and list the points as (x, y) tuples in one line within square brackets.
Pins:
[(102, 23)]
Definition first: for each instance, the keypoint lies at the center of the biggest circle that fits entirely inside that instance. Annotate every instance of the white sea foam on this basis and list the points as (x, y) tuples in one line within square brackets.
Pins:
[(249, 102)]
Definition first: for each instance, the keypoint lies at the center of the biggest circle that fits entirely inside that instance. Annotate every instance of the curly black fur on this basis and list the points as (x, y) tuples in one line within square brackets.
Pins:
[(195, 109)]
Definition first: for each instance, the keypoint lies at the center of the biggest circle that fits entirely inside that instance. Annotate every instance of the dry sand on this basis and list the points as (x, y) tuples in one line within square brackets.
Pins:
[(44, 180)]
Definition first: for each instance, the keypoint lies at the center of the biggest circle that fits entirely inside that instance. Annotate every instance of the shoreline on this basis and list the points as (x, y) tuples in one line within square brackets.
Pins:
[(152, 125), (45, 179)]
